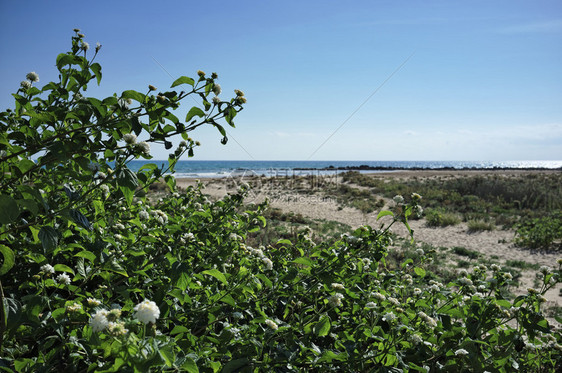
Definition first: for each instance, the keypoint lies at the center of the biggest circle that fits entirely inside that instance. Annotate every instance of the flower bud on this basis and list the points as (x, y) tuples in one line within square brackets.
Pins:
[(151, 87), (32, 76)]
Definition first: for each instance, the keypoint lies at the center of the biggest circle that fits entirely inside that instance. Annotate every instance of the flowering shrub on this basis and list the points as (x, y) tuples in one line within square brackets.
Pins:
[(97, 277)]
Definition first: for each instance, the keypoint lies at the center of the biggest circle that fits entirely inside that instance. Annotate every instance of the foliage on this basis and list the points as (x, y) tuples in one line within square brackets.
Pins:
[(463, 251), (503, 198), (97, 277), (479, 225), (439, 218), (541, 233)]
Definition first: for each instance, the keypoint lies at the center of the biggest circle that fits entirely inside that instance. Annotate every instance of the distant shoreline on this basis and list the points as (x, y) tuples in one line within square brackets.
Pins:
[(384, 168), (183, 181)]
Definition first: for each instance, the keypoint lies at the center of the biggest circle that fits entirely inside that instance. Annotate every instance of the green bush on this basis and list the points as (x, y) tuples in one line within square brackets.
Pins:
[(479, 225), (439, 218), (541, 233), (463, 251), (97, 277)]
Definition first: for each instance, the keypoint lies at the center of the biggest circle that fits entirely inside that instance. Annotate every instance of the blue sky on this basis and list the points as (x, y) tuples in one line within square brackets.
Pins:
[(483, 80)]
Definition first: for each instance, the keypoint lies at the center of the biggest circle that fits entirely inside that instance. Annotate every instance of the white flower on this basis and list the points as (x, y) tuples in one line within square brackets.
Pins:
[(394, 301), (119, 226), (93, 302), (144, 215), (216, 100), (74, 307), (117, 328), (63, 279), (428, 320), (85, 46), (415, 339), (130, 138), (465, 281), (378, 296), (416, 197), (371, 305), (417, 291), (99, 322), (398, 199), (25, 84), (144, 147), (32, 76), (335, 300), (147, 311), (389, 316), (337, 286), (217, 89), (418, 210), (420, 252), (271, 324), (98, 46), (105, 190), (47, 268), (268, 263), (461, 351)]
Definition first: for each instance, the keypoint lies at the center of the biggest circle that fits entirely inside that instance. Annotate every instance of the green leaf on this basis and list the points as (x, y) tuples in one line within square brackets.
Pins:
[(9, 210), (228, 300), (235, 365), (419, 271), (183, 80), (63, 268), (134, 95), (49, 238), (230, 113), (9, 260), (322, 327), (114, 266), (67, 59), (126, 178), (190, 366), (304, 260), (96, 68), (171, 182), (128, 194), (384, 213), (216, 274), (179, 329), (167, 354), (86, 254), (80, 219), (194, 111), (29, 205)]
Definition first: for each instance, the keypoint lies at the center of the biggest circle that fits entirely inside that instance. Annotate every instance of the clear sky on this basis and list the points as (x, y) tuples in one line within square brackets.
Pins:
[(483, 81)]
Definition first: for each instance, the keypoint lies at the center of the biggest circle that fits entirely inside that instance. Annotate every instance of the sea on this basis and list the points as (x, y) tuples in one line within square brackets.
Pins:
[(217, 169)]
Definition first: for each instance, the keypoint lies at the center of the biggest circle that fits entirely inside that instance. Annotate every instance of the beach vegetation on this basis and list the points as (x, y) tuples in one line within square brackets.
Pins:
[(541, 233), (96, 276), (479, 226), (463, 251), (441, 218)]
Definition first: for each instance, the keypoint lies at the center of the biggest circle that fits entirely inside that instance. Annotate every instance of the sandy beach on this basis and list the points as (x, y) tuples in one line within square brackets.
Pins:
[(496, 245)]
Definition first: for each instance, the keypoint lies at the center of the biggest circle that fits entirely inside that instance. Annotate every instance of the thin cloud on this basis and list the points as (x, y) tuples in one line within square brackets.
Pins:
[(550, 26)]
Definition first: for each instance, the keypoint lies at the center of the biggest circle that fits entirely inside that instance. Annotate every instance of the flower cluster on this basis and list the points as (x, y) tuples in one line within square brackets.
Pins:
[(335, 300), (161, 216), (147, 311), (271, 324)]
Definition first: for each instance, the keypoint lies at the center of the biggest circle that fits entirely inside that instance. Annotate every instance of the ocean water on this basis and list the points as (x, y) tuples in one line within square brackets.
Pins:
[(206, 169)]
